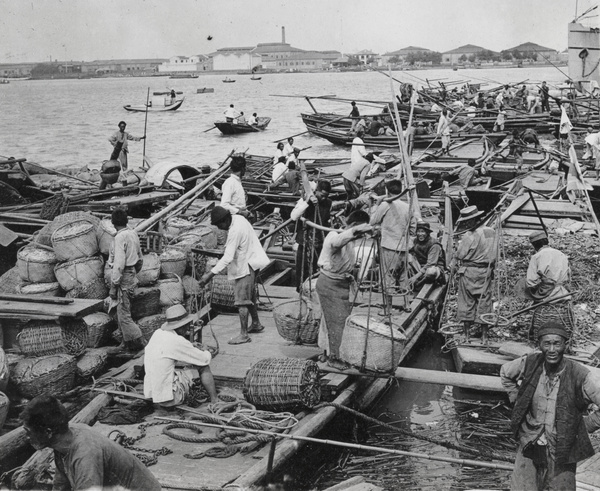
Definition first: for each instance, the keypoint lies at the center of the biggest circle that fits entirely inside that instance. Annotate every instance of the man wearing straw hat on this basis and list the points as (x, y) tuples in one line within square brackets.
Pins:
[(164, 383), (84, 458), (551, 395), (548, 274), (477, 253), (244, 256)]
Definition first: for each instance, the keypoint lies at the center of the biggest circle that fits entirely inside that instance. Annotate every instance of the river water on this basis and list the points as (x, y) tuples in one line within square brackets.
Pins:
[(67, 123)]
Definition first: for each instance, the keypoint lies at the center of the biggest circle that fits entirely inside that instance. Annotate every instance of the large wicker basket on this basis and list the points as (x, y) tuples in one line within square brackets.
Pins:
[(222, 293), (105, 234), (150, 271), (146, 324), (75, 240), (383, 344), (40, 338), (173, 261), (296, 322), (175, 226), (93, 290), (79, 272), (145, 301), (4, 406), (44, 236), (278, 384), (171, 290), (36, 265), (54, 375), (90, 363), (99, 326), (41, 289)]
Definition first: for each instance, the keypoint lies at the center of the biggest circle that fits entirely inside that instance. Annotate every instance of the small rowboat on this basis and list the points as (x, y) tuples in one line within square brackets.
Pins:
[(228, 81), (156, 108), (236, 128), (205, 90), (255, 78)]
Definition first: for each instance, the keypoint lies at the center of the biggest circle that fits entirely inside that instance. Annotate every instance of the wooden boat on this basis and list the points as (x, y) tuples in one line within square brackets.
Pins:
[(185, 75), (236, 128), (228, 80), (155, 107), (341, 137), (255, 78), (205, 90), (166, 93)]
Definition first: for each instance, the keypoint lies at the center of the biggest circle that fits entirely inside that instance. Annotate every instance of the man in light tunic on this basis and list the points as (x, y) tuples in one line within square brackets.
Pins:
[(119, 140), (233, 198)]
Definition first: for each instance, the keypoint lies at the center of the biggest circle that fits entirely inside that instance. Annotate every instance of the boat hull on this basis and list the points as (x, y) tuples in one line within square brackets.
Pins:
[(143, 109), (235, 128)]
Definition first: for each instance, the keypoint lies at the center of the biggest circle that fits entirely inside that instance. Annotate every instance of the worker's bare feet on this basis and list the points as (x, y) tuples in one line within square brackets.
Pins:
[(256, 328), (240, 340)]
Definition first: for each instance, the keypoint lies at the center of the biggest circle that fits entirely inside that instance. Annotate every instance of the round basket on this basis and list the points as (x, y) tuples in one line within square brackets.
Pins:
[(173, 261), (4, 405), (41, 339), (54, 375), (44, 236), (36, 265), (105, 234), (99, 325), (296, 322), (4, 372), (384, 344), (79, 272), (175, 226), (150, 271), (93, 290), (171, 290), (146, 324), (91, 362), (222, 296), (41, 289), (145, 301), (277, 384), (75, 240)]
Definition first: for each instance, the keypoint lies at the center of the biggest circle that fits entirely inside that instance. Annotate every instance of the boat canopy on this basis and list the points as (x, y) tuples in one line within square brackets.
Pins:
[(176, 173)]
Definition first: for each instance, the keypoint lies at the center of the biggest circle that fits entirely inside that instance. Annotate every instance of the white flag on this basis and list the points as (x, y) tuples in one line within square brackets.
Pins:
[(565, 122)]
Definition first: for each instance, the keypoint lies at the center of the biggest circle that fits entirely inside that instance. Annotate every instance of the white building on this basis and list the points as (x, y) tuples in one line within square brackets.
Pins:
[(235, 59), (196, 63)]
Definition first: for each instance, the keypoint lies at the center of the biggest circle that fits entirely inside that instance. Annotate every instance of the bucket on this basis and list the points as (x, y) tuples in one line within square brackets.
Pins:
[(75, 240), (36, 264), (105, 234)]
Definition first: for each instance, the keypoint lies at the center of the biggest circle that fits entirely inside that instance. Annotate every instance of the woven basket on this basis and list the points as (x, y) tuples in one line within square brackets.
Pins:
[(384, 344), (93, 290), (105, 235), (145, 301), (75, 240), (150, 271), (36, 265), (173, 261), (79, 272), (44, 236), (99, 325), (4, 372), (41, 338), (91, 362), (171, 290), (41, 289), (4, 405), (175, 226), (560, 312), (146, 324), (222, 296), (54, 375), (296, 322), (277, 384), (10, 282), (200, 236)]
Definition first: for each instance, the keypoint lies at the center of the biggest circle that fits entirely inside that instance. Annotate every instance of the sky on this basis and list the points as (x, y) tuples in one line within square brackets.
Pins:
[(85, 30)]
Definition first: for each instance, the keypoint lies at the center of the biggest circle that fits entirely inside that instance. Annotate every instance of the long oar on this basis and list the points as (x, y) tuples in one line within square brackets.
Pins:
[(474, 463), (317, 126), (209, 129), (145, 126)]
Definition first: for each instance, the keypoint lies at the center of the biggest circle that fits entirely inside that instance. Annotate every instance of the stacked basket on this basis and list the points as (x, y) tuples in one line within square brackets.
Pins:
[(36, 264)]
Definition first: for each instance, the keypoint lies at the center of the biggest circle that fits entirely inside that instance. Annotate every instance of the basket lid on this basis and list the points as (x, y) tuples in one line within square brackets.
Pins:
[(72, 229)]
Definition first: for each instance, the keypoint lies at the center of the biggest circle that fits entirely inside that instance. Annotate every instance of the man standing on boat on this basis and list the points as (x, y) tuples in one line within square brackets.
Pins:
[(231, 114), (337, 262), (550, 420), (126, 260), (548, 275), (398, 229), (119, 141), (290, 151), (477, 253), (233, 198), (443, 130), (164, 383), (360, 164), (355, 115), (244, 257)]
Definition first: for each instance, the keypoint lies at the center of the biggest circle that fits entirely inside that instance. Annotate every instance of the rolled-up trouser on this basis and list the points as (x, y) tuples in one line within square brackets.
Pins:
[(182, 382), (125, 290), (557, 477), (334, 296), (474, 292), (445, 141)]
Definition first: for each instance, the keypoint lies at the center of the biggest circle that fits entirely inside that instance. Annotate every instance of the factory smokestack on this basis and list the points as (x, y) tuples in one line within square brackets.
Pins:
[(283, 35)]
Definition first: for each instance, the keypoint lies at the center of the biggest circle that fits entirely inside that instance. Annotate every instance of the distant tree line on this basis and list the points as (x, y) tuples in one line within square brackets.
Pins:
[(487, 55)]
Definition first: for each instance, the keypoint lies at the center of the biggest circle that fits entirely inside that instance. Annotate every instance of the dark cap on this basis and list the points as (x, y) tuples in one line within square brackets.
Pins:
[(218, 214), (423, 225), (537, 235), (553, 328)]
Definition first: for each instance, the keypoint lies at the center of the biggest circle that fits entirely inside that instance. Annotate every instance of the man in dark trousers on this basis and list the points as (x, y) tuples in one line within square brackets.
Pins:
[(84, 458), (549, 411), (545, 97)]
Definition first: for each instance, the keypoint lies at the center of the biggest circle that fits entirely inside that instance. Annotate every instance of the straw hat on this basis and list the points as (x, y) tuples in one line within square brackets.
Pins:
[(177, 317), (469, 212), (423, 225)]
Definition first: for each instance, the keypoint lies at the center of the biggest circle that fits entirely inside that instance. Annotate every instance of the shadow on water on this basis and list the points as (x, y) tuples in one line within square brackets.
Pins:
[(474, 420)]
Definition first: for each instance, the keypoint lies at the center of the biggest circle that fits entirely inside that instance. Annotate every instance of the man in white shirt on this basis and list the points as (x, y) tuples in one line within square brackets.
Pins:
[(443, 130), (230, 114), (244, 256), (279, 169), (290, 151), (163, 382), (253, 120), (354, 176), (233, 198)]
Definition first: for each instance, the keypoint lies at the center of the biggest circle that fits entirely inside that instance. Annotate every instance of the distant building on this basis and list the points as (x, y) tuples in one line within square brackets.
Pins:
[(243, 58), (123, 67), (402, 54), (366, 56), (16, 70), (272, 54), (533, 51), (195, 63), (455, 56)]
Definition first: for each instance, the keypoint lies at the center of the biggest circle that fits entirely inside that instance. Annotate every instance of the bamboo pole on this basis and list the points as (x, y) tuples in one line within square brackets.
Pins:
[(145, 126), (336, 443)]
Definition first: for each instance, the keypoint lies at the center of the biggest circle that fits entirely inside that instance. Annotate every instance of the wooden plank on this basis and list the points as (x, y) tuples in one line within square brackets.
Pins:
[(478, 361), (78, 308), (280, 277)]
